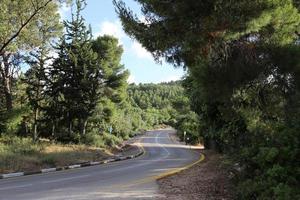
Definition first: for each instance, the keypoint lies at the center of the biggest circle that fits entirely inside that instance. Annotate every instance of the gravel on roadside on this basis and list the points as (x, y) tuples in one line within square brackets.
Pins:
[(207, 180)]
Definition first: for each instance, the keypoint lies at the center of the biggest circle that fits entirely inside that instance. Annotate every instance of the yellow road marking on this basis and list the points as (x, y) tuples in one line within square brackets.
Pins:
[(160, 176)]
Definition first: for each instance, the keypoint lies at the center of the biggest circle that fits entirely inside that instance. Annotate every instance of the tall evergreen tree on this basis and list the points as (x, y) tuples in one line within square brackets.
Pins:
[(76, 75), (109, 58), (39, 60), (114, 93)]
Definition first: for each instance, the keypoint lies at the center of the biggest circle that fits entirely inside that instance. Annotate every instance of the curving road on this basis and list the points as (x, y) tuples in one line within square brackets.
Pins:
[(129, 179)]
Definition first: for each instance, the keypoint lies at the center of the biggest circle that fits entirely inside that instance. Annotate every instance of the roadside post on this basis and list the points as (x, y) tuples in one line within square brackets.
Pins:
[(184, 134), (110, 129), (187, 140)]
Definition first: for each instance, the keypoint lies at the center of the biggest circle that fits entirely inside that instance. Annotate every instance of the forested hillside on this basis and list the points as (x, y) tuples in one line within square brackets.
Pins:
[(164, 103), (155, 101), (242, 59)]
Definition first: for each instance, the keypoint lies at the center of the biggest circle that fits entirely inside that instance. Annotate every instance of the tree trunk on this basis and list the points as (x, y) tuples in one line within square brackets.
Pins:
[(53, 129), (6, 81), (69, 124), (70, 127), (8, 95), (35, 134), (83, 124)]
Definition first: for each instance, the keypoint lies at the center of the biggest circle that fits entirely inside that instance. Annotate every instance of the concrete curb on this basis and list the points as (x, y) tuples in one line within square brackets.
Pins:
[(87, 164)]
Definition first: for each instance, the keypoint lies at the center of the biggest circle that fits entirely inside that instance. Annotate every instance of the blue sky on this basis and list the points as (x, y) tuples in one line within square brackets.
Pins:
[(100, 14)]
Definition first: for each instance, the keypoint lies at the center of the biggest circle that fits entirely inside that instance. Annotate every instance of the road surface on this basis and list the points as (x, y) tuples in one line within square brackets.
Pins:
[(129, 179)]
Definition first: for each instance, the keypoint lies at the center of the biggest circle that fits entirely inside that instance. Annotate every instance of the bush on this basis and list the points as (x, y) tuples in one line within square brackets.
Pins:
[(10, 122), (93, 139), (19, 145), (189, 123), (271, 164), (49, 160), (111, 140)]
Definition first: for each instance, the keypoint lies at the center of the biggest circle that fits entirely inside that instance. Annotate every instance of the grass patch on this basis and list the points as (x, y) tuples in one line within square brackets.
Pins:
[(21, 154)]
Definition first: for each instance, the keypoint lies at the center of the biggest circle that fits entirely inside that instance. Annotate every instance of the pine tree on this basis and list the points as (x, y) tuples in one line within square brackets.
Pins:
[(76, 75), (36, 79), (109, 57), (39, 60), (114, 92), (243, 79), (19, 31)]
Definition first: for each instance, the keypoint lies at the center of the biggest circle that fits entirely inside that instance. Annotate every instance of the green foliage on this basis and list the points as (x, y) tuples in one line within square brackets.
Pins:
[(22, 23), (102, 141), (242, 59), (16, 145), (78, 96), (155, 101), (10, 122), (76, 74), (109, 57), (94, 139), (189, 123), (27, 17), (164, 103)]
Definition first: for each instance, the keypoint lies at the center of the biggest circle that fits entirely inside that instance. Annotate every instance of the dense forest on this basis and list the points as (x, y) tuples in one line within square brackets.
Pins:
[(242, 60), (164, 104)]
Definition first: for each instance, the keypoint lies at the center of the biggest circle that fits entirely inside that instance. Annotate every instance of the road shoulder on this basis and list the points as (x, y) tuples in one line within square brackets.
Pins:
[(206, 180), (130, 149)]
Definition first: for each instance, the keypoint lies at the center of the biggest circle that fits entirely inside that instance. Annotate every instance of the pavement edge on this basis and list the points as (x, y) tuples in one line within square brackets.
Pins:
[(81, 165), (178, 170)]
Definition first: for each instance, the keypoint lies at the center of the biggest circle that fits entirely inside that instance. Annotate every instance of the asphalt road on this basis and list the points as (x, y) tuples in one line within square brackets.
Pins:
[(129, 179)]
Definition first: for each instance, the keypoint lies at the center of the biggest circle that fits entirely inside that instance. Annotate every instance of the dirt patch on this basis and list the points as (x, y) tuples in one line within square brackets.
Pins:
[(208, 180)]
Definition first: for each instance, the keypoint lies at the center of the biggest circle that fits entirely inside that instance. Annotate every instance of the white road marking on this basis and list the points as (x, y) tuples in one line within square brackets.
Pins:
[(147, 161), (66, 179), (162, 146), (15, 187)]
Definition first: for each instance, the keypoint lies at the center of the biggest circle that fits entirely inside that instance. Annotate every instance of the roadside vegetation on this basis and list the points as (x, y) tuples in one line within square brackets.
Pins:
[(146, 106), (21, 154), (242, 61), (64, 96)]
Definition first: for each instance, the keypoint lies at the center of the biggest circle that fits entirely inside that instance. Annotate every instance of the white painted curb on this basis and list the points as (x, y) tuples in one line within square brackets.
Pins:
[(48, 170), (13, 175), (74, 166)]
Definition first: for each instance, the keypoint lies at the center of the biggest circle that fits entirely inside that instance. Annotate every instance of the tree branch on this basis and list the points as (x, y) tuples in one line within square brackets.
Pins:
[(23, 25)]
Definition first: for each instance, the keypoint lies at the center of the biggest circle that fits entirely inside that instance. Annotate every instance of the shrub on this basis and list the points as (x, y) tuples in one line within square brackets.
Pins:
[(93, 139), (101, 140), (10, 122), (111, 140), (19, 145), (49, 160)]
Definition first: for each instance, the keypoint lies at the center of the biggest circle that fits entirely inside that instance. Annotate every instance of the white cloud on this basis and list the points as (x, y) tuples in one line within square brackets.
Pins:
[(112, 29), (171, 78), (131, 79), (142, 19), (53, 55), (64, 10), (140, 51)]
